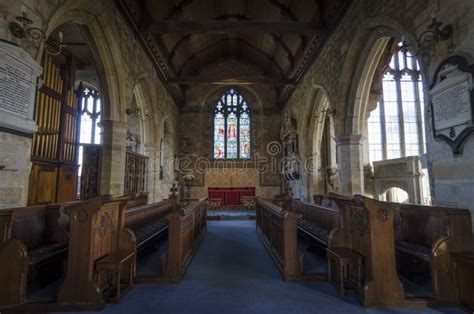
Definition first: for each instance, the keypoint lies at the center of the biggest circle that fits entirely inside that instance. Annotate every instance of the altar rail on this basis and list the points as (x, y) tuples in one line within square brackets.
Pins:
[(277, 229), (187, 227), (230, 196)]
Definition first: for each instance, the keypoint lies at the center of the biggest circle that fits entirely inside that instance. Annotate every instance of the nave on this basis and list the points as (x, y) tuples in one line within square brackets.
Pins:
[(233, 273), (334, 136)]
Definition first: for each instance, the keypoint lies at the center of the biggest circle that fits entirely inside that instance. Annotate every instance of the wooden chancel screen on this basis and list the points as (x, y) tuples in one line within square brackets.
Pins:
[(53, 176), (135, 173)]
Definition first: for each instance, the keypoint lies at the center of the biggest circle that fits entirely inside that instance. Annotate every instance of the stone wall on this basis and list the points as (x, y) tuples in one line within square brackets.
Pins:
[(196, 133), (14, 156), (121, 65), (338, 71), (452, 176)]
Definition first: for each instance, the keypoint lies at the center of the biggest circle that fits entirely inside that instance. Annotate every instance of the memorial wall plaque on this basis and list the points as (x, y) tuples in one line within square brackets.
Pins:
[(18, 80), (452, 102)]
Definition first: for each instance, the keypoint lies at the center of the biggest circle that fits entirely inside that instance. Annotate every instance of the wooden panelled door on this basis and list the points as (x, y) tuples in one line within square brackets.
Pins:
[(53, 176)]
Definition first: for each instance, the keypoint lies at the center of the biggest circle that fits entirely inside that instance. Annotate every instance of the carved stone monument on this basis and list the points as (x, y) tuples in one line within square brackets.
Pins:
[(452, 102), (18, 81)]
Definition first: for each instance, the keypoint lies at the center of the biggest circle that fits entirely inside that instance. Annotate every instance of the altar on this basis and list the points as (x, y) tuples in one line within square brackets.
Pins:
[(231, 196)]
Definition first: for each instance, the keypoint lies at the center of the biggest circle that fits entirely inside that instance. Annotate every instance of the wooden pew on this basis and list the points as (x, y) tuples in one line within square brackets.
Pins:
[(317, 222), (367, 229), (330, 200), (431, 233), (39, 234), (44, 230), (187, 227), (134, 199), (148, 221), (13, 263), (97, 234), (277, 229)]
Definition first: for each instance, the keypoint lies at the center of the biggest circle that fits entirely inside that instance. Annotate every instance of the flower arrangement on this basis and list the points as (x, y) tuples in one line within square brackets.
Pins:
[(189, 178)]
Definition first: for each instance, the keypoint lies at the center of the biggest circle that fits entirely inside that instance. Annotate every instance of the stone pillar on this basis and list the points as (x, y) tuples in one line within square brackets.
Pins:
[(351, 170), (114, 135), (153, 172)]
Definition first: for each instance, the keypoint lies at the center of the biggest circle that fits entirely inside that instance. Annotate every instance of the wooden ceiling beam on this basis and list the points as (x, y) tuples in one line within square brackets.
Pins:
[(237, 27), (230, 81)]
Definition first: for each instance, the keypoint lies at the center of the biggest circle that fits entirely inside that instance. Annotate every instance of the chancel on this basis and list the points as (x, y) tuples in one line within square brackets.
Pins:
[(222, 156)]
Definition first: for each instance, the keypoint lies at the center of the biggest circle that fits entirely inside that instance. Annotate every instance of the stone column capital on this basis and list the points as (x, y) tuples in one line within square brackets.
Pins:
[(112, 124)]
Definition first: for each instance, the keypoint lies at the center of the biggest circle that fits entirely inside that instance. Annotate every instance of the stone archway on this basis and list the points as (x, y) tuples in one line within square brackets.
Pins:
[(320, 164), (355, 97)]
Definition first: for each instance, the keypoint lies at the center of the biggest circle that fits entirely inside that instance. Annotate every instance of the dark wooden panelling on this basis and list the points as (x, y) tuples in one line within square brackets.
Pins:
[(42, 186), (67, 183), (135, 173)]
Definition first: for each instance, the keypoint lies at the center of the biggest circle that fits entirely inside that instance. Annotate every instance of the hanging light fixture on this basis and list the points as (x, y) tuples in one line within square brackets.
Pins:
[(24, 30)]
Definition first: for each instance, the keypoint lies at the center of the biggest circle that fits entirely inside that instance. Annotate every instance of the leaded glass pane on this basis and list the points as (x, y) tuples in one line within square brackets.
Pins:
[(392, 119), (86, 129), (244, 136), (422, 114), (232, 136), (90, 104), (375, 135), (410, 116), (219, 133), (401, 61), (80, 159), (98, 130)]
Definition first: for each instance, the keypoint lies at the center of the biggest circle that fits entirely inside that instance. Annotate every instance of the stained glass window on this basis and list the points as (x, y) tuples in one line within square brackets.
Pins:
[(396, 126), (232, 127)]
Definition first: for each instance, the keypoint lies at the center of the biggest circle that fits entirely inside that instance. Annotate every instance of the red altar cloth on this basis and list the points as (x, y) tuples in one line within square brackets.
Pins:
[(230, 195)]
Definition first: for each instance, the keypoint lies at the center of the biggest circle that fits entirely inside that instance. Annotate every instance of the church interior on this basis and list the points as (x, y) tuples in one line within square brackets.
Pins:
[(237, 156)]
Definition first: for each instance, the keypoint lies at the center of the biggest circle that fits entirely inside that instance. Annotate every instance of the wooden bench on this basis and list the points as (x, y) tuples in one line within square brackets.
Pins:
[(187, 227), (44, 230), (37, 238), (430, 234), (277, 229), (345, 259), (13, 263), (97, 231), (116, 263), (317, 222), (134, 199), (367, 229), (464, 275), (330, 200), (148, 221)]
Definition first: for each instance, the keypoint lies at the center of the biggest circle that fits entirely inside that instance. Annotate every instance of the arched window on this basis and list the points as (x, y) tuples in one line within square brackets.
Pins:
[(90, 118), (396, 126), (231, 127)]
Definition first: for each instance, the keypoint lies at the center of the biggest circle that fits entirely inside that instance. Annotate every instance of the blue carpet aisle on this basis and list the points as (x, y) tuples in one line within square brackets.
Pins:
[(233, 273)]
